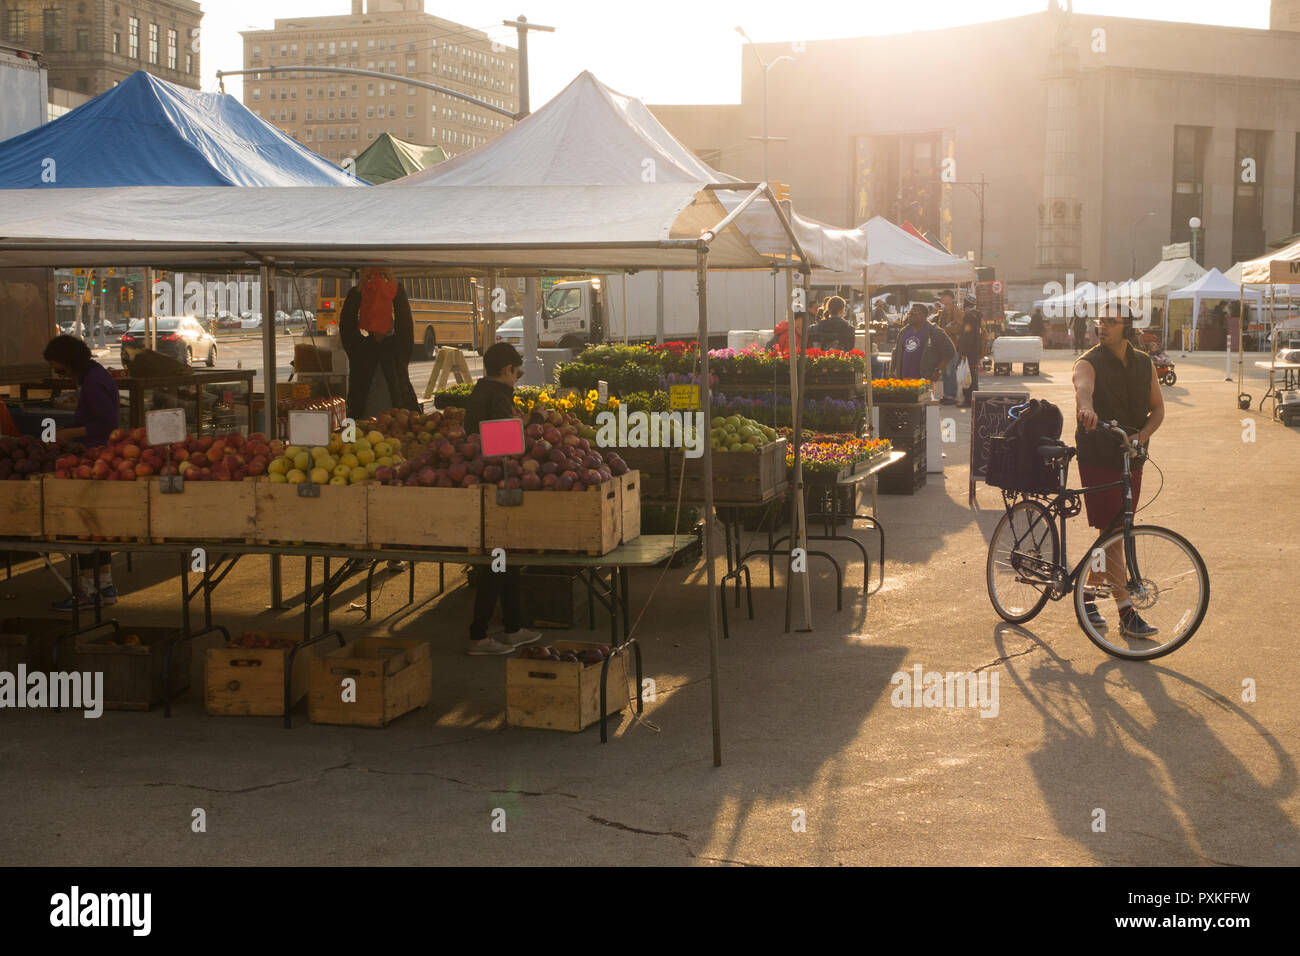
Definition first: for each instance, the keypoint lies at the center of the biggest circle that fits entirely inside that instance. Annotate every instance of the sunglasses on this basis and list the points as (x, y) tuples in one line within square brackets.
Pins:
[(1110, 321)]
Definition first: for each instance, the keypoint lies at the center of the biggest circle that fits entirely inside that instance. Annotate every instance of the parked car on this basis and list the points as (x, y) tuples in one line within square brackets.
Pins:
[(227, 320), (1015, 323), (250, 320), (180, 336), (512, 331)]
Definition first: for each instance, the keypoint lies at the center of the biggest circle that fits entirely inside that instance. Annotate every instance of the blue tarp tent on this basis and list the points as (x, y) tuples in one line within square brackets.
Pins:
[(148, 132)]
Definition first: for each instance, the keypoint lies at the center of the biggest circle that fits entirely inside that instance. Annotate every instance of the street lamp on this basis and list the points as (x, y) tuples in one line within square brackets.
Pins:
[(1132, 241), (1194, 224), (767, 67)]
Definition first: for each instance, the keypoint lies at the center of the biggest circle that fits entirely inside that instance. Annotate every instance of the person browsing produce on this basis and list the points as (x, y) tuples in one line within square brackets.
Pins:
[(1114, 382), (833, 332), (922, 349), (493, 398), (97, 416), (378, 336)]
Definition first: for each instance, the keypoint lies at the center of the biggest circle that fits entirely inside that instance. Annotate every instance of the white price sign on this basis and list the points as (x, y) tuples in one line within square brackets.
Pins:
[(602, 392), (166, 426), (309, 428)]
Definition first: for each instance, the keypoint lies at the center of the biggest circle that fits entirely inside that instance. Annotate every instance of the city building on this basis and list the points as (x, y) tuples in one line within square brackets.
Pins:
[(91, 45), (338, 115), (1050, 144)]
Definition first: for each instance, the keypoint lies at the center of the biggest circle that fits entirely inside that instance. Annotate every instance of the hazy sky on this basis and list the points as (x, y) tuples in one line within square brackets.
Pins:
[(683, 51)]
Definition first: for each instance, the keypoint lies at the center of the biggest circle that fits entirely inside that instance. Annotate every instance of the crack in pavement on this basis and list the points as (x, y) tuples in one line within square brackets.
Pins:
[(614, 824), (195, 786), (1002, 660)]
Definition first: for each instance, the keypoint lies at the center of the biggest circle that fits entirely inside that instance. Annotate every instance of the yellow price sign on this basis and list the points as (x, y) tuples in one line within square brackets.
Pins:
[(685, 397), (301, 391)]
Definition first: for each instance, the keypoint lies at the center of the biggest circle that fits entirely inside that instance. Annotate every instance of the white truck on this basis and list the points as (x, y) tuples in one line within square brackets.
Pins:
[(24, 91), (621, 308)]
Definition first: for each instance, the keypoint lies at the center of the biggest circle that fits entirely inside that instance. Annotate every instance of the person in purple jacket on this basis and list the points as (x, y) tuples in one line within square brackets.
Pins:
[(97, 415)]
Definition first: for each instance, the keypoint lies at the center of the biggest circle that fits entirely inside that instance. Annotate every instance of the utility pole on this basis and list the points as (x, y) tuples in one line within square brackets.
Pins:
[(766, 68), (532, 370)]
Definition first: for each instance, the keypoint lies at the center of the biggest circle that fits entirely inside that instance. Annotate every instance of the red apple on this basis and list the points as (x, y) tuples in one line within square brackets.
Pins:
[(143, 471)]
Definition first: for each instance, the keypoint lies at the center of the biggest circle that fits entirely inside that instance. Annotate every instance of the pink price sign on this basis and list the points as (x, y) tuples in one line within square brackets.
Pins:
[(502, 436)]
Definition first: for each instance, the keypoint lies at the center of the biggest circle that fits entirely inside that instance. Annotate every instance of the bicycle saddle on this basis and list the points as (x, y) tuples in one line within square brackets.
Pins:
[(1055, 451)]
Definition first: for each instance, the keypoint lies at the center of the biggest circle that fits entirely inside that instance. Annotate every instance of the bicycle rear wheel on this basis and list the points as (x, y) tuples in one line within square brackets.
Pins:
[(1024, 554), (1172, 595)]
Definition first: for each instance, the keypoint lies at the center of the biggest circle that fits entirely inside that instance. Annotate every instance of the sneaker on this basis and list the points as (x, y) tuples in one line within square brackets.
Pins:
[(81, 601), (395, 566), (107, 596), (488, 646), (516, 638), (1131, 625), (1094, 615)]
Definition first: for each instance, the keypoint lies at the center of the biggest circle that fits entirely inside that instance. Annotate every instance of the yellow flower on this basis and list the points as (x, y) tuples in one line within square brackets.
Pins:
[(590, 405), (613, 402), (543, 397), (593, 395)]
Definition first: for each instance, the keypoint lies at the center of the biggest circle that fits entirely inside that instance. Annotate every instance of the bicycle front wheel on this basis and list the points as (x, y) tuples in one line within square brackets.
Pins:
[(1023, 557), (1171, 592)]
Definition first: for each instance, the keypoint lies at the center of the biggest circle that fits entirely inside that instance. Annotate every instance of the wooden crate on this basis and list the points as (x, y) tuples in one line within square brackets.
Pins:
[(585, 522), (424, 517), (338, 516), (30, 641), (223, 510), (393, 677), (133, 675), (249, 681), (561, 695), (20, 508), (72, 508), (653, 465), (629, 499), (737, 476)]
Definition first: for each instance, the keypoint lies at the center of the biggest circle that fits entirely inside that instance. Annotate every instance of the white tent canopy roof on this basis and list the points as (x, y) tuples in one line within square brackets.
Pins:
[(1214, 285), (590, 134), (1170, 274), (896, 257), (526, 229), (1065, 301)]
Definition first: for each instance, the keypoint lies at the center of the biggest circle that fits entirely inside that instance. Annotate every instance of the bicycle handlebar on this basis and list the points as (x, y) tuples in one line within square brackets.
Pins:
[(1131, 447)]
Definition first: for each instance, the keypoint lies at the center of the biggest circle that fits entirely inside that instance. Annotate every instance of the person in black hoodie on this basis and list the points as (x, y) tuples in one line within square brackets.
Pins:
[(833, 331), (493, 397), (378, 357)]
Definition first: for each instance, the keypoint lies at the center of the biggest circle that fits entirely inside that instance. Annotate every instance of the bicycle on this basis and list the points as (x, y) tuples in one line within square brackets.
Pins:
[(1164, 576)]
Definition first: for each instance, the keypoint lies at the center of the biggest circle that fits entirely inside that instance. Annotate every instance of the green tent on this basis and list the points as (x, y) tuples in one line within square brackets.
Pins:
[(389, 158)]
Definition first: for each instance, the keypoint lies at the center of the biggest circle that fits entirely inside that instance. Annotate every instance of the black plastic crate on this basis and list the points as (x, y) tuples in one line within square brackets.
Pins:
[(552, 598), (905, 477)]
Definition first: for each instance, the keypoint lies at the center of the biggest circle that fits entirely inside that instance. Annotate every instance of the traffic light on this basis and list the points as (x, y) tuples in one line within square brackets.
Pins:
[(130, 294)]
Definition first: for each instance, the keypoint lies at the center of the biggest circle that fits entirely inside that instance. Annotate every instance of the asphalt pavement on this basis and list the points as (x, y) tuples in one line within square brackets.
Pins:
[(1087, 760)]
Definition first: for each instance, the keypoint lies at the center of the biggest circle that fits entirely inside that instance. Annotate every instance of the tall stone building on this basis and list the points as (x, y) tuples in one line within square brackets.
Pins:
[(338, 115), (92, 45), (1097, 138)]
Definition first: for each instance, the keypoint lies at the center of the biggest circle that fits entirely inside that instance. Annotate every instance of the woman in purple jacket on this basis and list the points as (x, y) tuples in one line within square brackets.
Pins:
[(97, 415)]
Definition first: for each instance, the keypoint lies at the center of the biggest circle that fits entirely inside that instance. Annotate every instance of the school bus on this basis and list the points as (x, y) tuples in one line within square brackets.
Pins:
[(445, 310)]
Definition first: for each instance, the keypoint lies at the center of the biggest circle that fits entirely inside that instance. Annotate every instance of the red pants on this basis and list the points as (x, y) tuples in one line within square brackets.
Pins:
[(1105, 506)]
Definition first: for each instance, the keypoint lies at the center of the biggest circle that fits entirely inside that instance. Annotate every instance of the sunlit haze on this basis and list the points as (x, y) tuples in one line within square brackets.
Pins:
[(674, 51)]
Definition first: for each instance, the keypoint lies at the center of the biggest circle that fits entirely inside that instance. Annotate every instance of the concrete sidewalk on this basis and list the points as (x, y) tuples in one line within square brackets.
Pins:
[(818, 768)]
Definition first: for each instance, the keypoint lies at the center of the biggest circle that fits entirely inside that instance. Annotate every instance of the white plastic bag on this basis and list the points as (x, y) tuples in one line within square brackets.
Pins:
[(963, 377)]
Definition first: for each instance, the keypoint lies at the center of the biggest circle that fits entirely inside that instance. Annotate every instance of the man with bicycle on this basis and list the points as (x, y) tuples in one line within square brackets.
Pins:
[(1114, 381)]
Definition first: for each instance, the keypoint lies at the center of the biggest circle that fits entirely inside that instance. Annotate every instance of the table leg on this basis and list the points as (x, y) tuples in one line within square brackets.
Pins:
[(410, 585), (277, 594), (325, 595)]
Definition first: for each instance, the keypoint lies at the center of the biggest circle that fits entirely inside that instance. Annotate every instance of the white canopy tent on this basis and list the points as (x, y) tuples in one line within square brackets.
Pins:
[(589, 134), (670, 225), (1169, 274), (1065, 304), (1215, 286), (896, 257)]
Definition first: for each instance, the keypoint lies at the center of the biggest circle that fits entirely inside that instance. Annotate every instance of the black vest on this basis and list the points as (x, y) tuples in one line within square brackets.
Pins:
[(1121, 393)]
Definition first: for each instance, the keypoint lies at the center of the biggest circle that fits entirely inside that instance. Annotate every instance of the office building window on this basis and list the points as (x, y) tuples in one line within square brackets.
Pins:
[(52, 27), (153, 43), (1248, 202), (257, 52), (354, 132), (117, 43), (1190, 145), (83, 41), (189, 64), (352, 113), (133, 38), (410, 110), (171, 49), (293, 49), (311, 115), (410, 64), (257, 93), (370, 91)]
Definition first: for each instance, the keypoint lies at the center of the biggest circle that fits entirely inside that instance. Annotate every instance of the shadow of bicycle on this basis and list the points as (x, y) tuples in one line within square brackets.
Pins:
[(1134, 767)]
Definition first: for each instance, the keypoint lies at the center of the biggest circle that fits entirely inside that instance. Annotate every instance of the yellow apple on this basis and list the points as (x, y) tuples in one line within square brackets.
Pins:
[(338, 481), (319, 452), (293, 451), (278, 467), (340, 471), (381, 449), (296, 477), (327, 462), (358, 475), (385, 460), (302, 461), (350, 460), (374, 437), (364, 457), (371, 468), (320, 476), (278, 478)]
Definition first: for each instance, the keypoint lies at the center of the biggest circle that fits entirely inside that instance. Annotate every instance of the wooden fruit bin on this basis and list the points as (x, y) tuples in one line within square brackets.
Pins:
[(653, 465), (338, 516), (561, 695), (204, 510), (393, 677), (585, 522), (20, 508), (424, 517), (30, 641), (249, 681), (73, 508), (133, 675), (755, 476), (629, 499)]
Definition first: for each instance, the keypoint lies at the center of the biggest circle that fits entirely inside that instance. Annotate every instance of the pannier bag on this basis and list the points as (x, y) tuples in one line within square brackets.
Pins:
[(1014, 462)]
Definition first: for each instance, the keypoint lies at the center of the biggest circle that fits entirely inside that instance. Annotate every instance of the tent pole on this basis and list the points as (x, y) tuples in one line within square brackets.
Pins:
[(532, 374), (702, 294), (268, 346), (799, 511)]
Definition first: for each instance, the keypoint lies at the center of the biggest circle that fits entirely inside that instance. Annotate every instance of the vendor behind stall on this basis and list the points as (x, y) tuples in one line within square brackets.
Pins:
[(378, 336), (493, 397), (97, 415)]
